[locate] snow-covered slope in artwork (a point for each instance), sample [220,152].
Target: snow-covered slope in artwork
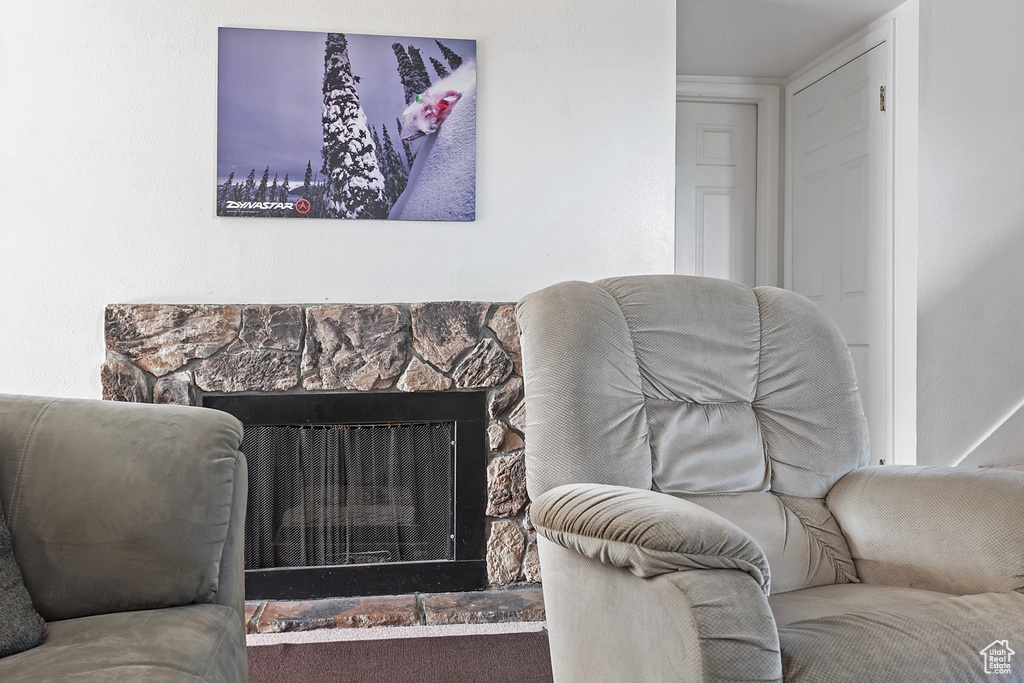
[442,182]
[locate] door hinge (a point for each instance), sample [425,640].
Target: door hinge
[881,98]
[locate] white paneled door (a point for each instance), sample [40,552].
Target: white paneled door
[839,227]
[716,196]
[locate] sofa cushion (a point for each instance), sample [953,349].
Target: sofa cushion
[857,632]
[21,627]
[117,506]
[801,540]
[194,642]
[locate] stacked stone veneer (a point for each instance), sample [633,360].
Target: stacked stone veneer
[174,353]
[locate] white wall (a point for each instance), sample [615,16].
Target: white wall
[971,235]
[108,152]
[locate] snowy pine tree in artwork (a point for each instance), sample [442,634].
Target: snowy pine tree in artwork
[419,70]
[439,68]
[376,140]
[385,169]
[405,72]
[250,186]
[283,193]
[355,184]
[454,61]
[225,194]
[272,195]
[410,157]
[391,154]
[397,177]
[261,189]
[308,181]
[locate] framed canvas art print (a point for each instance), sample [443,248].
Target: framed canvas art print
[337,125]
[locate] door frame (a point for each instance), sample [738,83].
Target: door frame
[881,36]
[767,99]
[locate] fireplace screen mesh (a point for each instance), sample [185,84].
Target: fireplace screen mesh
[338,495]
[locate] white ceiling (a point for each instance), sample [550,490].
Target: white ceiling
[765,38]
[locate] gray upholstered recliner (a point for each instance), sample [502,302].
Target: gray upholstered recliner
[697,461]
[127,523]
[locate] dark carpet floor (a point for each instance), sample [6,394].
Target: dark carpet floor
[495,658]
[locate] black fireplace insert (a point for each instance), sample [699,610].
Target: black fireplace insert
[362,493]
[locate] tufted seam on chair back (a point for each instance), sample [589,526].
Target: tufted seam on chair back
[643,410]
[826,537]
[586,420]
[703,389]
[711,446]
[695,342]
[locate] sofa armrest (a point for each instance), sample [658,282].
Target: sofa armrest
[117,507]
[646,532]
[947,529]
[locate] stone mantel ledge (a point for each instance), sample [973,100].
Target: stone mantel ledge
[175,353]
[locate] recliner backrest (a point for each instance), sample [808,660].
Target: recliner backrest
[742,400]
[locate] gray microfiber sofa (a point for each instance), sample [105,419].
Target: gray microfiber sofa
[698,468]
[127,523]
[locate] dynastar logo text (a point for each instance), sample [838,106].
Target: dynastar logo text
[260,205]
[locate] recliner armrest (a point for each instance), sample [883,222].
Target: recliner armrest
[647,532]
[948,529]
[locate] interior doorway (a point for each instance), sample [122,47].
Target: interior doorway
[840,232]
[716,193]
[727,180]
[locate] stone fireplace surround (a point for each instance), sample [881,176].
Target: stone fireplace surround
[166,353]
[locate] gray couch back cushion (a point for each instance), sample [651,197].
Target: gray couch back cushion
[161,545]
[742,400]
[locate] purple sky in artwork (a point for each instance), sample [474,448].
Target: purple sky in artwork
[270,95]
